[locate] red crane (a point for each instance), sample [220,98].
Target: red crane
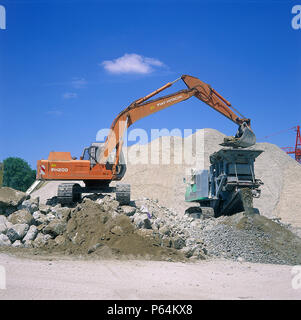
[297,149]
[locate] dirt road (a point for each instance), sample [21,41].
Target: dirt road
[79,279]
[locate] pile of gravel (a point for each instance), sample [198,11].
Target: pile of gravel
[252,238]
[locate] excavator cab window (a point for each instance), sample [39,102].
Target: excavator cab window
[90,154]
[85,155]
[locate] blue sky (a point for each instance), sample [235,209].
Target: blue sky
[61,80]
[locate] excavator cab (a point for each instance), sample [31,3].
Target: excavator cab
[93,154]
[90,154]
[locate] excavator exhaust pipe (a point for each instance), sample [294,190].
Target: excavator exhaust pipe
[244,138]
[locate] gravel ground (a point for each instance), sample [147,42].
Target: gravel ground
[77,279]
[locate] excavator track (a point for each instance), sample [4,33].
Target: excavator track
[68,193]
[123,193]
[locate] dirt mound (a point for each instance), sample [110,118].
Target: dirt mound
[96,230]
[98,227]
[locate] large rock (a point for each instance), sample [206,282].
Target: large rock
[44,208]
[145,233]
[128,210]
[55,228]
[157,224]
[9,224]
[3,224]
[3,227]
[28,244]
[117,230]
[4,240]
[21,216]
[31,234]
[94,248]
[40,241]
[3,219]
[41,218]
[188,251]
[165,230]
[31,205]
[10,198]
[17,232]
[18,244]
[62,213]
[38,215]
[50,217]
[60,240]
[109,204]
[178,243]
[142,221]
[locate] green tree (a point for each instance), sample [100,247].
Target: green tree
[17,174]
[1,173]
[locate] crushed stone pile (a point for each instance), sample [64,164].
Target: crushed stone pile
[100,226]
[252,238]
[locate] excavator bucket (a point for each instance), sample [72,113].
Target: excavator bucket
[244,138]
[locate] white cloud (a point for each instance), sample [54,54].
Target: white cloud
[132,63]
[70,95]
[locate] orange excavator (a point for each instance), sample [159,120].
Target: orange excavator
[102,163]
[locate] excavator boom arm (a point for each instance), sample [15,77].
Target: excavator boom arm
[136,112]
[140,109]
[207,94]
